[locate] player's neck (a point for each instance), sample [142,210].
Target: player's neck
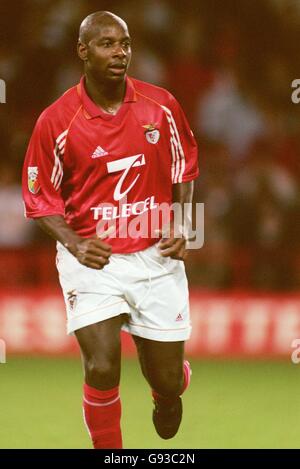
[105,94]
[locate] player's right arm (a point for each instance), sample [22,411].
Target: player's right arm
[91,252]
[42,178]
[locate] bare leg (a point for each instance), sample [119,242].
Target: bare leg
[162,365]
[101,356]
[101,352]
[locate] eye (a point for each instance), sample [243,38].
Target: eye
[106,44]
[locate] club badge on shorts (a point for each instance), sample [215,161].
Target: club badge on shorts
[72,299]
[33,182]
[152,134]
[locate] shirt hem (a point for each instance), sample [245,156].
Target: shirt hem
[44,214]
[188,178]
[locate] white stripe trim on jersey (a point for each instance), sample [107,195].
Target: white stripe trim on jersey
[57,169]
[58,179]
[61,144]
[180,148]
[176,166]
[178,163]
[59,149]
[61,136]
[104,403]
[59,174]
[173,159]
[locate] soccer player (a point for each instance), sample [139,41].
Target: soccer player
[111,150]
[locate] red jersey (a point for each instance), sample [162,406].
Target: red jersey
[83,163]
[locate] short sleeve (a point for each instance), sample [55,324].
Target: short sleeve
[184,148]
[42,173]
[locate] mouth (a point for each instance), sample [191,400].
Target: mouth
[118,68]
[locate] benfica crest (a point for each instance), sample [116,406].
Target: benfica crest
[33,183]
[72,299]
[152,134]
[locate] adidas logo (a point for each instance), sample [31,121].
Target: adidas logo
[99,152]
[179,317]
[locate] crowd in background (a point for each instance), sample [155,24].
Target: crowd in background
[230,64]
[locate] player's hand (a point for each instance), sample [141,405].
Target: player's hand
[93,253]
[172,245]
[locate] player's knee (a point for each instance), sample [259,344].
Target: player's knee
[102,372]
[168,382]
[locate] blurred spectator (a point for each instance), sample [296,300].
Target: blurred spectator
[265,199]
[225,116]
[148,66]
[189,76]
[15,231]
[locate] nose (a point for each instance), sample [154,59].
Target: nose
[119,51]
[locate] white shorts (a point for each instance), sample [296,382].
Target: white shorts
[151,289]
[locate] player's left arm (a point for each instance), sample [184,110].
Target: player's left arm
[175,245]
[184,171]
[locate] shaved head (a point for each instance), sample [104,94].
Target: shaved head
[91,25]
[104,45]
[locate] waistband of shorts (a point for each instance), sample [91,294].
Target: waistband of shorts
[61,247]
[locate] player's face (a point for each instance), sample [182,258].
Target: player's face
[108,53]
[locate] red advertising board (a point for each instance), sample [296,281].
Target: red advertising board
[224,325]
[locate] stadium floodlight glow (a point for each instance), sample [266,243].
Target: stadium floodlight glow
[2,92]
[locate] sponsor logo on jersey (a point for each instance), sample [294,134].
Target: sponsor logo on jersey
[152,133]
[125,165]
[99,152]
[179,318]
[33,182]
[110,212]
[124,210]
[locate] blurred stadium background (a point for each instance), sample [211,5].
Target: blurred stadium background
[231,64]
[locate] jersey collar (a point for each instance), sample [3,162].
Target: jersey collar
[91,108]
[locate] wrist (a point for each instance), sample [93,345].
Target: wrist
[72,244]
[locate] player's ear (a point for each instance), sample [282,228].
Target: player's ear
[82,50]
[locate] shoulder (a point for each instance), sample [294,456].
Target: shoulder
[152,92]
[60,113]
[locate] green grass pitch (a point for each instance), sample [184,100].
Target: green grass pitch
[230,404]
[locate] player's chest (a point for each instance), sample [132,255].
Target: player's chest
[94,143]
